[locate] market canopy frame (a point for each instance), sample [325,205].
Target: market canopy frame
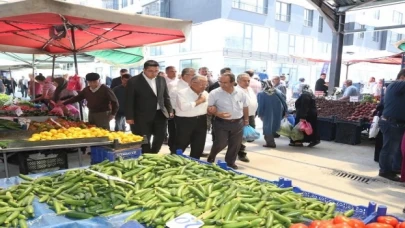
[63,28]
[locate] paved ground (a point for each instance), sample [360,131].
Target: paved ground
[312,168]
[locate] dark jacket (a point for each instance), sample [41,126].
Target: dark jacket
[141,101]
[305,106]
[320,86]
[116,82]
[120,93]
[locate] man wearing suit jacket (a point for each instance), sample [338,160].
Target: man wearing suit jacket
[117,81]
[148,106]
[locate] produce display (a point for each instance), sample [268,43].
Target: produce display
[168,186]
[4,99]
[16,205]
[345,222]
[77,133]
[9,125]
[159,188]
[345,110]
[50,124]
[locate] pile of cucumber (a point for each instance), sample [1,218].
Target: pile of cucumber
[162,187]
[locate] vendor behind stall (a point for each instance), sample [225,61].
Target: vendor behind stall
[99,99]
[47,88]
[34,88]
[62,93]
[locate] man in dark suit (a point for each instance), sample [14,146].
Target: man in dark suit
[117,81]
[148,106]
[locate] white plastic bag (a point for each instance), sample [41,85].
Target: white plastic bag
[285,128]
[374,128]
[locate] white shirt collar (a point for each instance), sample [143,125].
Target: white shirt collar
[95,90]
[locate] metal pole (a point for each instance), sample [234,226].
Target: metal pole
[347,70]
[33,75]
[53,66]
[72,30]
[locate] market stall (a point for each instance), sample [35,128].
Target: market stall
[159,190]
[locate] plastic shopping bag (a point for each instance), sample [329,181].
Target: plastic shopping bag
[285,128]
[72,110]
[291,119]
[57,111]
[74,83]
[306,127]
[374,128]
[250,134]
[296,133]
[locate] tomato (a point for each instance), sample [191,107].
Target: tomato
[388,220]
[299,225]
[378,225]
[401,225]
[355,223]
[342,225]
[341,219]
[316,224]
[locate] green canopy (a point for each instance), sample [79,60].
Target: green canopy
[126,56]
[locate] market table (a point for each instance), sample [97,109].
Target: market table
[10,151]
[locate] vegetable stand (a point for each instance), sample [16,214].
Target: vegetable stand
[164,187]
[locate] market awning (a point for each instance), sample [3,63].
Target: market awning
[127,56]
[395,59]
[60,27]
[26,59]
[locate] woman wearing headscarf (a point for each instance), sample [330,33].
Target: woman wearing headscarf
[62,93]
[47,88]
[306,111]
[272,108]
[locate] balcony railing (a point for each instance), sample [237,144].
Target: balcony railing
[249,7]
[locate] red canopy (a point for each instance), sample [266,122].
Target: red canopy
[61,28]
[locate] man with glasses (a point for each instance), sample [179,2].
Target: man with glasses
[182,83]
[229,105]
[191,116]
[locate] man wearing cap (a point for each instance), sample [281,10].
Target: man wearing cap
[99,100]
[117,81]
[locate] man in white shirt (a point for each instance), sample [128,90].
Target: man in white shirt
[255,83]
[174,87]
[243,84]
[171,81]
[191,117]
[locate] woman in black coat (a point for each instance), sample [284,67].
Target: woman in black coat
[306,111]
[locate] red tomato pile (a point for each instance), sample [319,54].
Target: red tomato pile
[345,222]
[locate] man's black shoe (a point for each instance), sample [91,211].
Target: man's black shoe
[205,155]
[233,166]
[390,176]
[244,159]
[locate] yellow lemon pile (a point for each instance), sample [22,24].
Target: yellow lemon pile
[77,133]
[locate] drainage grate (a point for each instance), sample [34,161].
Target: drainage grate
[352,176]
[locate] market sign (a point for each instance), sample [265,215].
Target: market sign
[185,221]
[354,99]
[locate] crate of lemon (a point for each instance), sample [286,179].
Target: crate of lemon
[76,133]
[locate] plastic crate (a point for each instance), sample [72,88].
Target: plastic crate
[361,212]
[348,132]
[381,211]
[99,154]
[28,165]
[327,128]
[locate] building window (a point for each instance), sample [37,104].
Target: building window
[291,46]
[111,4]
[257,6]
[395,37]
[238,36]
[283,11]
[376,36]
[399,37]
[155,51]
[162,66]
[152,9]
[185,46]
[320,24]
[193,63]
[124,3]
[397,17]
[377,14]
[361,34]
[308,17]
[240,65]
